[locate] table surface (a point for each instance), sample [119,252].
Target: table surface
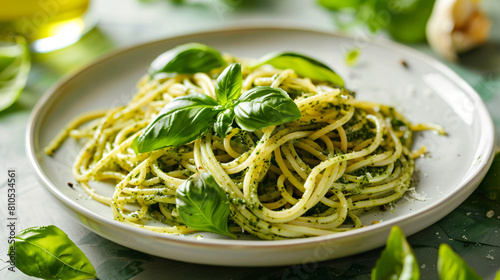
[467,229]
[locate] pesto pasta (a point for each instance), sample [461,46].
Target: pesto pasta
[312,175]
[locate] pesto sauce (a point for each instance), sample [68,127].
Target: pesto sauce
[373,171]
[360,134]
[317,209]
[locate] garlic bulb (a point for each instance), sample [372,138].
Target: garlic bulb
[456,26]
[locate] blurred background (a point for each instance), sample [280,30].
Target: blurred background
[42,41]
[63,36]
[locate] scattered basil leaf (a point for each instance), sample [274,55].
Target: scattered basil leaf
[46,252]
[397,261]
[490,185]
[261,107]
[351,57]
[224,122]
[203,205]
[452,266]
[497,277]
[228,85]
[302,65]
[189,58]
[181,121]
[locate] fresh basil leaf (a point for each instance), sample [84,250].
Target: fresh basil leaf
[302,65]
[203,205]
[497,277]
[397,261]
[490,185]
[228,85]
[261,107]
[181,121]
[187,59]
[47,252]
[224,122]
[452,266]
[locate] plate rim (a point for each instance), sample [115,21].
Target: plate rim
[53,93]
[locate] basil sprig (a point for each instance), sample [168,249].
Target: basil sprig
[203,205]
[186,118]
[187,59]
[302,65]
[46,252]
[397,261]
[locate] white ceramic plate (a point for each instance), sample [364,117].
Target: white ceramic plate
[426,91]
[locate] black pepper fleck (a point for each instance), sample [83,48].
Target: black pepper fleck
[404,63]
